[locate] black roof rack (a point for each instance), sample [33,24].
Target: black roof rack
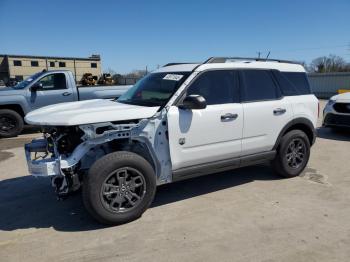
[185,63]
[224,60]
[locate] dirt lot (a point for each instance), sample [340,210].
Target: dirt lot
[243,215]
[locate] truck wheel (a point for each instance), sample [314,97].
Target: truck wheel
[11,123]
[293,154]
[119,187]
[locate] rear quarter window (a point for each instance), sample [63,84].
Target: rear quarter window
[299,81]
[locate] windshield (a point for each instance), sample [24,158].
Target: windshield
[27,81]
[154,89]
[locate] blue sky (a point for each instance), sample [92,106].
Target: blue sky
[132,34]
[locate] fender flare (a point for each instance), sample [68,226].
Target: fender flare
[306,123]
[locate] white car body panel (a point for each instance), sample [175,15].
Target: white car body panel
[87,112]
[207,137]
[305,106]
[342,98]
[257,65]
[262,126]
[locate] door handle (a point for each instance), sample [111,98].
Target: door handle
[66,94]
[279,111]
[228,116]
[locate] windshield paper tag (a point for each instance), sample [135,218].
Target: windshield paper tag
[173,77]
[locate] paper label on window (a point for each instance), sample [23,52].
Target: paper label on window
[172,77]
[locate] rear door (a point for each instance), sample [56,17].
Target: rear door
[54,90]
[265,109]
[214,133]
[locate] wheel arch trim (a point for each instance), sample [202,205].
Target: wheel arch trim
[301,123]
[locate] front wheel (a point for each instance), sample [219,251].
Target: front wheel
[119,188]
[293,154]
[11,123]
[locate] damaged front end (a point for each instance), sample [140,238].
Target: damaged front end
[65,153]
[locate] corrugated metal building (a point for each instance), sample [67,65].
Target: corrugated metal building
[325,85]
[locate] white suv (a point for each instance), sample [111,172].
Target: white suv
[181,121]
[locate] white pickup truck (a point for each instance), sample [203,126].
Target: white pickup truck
[181,121]
[42,89]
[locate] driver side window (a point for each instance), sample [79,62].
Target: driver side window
[217,87]
[53,82]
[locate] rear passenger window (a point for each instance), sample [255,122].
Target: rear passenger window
[287,88]
[299,80]
[217,87]
[259,85]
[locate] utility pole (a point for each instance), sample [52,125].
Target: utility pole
[259,54]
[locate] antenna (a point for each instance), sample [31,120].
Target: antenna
[267,57]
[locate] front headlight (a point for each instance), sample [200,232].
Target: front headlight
[330,102]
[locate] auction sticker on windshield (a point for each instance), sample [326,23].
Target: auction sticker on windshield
[173,77]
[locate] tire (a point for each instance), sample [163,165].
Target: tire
[127,172]
[11,123]
[284,163]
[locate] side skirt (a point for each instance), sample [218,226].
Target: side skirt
[222,165]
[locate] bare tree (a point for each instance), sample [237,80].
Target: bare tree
[326,64]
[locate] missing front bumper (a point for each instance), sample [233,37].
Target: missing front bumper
[41,166]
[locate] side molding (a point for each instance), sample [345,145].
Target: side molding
[222,165]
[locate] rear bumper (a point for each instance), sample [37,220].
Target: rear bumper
[43,167]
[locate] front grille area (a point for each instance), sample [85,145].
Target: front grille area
[337,120]
[342,107]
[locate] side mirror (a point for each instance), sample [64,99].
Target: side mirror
[37,86]
[193,102]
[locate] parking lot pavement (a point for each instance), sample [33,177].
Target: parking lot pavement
[248,214]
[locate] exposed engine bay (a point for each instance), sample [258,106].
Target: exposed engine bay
[67,153]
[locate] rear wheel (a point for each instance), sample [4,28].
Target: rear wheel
[119,188]
[293,154]
[11,123]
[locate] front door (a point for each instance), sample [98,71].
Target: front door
[214,133]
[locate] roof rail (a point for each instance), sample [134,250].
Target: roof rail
[225,59]
[185,63]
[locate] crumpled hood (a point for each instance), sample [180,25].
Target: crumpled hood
[342,98]
[87,112]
